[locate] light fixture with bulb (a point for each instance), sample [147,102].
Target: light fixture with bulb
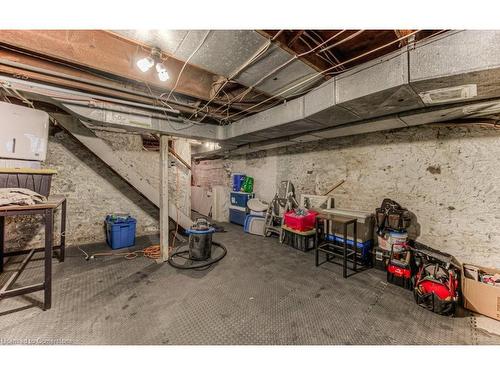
[147,63]
[160,67]
[162,72]
[163,75]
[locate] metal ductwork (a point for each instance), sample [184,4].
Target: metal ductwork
[429,82]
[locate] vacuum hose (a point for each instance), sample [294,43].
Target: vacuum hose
[179,253]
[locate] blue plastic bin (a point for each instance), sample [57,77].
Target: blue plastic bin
[120,232]
[240,199]
[238,181]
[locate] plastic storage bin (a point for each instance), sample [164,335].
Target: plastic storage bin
[237,215]
[247,186]
[301,241]
[120,232]
[240,199]
[238,179]
[38,180]
[300,223]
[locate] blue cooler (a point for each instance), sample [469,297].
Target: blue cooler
[363,247]
[240,199]
[120,231]
[237,215]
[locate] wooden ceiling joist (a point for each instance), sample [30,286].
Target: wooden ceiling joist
[402,33]
[111,57]
[103,51]
[286,41]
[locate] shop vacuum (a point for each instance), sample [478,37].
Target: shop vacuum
[197,253]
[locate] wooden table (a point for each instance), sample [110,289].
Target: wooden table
[46,210]
[329,248]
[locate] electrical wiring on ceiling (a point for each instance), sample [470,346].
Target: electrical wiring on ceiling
[4,96]
[338,65]
[277,35]
[202,42]
[321,73]
[352,36]
[286,63]
[328,53]
[13,92]
[295,57]
[420,42]
[151,95]
[256,56]
[178,46]
[325,57]
[259,55]
[165,101]
[225,107]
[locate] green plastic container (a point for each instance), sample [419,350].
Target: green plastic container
[247,186]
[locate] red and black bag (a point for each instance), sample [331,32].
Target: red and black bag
[436,288]
[401,268]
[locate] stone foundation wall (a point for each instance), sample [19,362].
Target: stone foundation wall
[446,174]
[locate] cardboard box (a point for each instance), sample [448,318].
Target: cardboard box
[480,297]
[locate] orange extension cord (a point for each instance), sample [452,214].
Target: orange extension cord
[151,252]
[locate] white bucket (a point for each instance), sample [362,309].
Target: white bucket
[395,241]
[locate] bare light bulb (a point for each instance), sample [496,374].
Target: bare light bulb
[163,75]
[145,63]
[160,67]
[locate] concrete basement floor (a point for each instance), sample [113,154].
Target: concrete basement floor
[261,293]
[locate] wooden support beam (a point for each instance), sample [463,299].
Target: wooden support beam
[295,38]
[402,33]
[109,53]
[178,157]
[164,217]
[29,67]
[283,40]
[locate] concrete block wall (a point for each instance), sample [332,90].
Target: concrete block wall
[94,190]
[446,174]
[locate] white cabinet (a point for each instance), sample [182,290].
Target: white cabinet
[24,132]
